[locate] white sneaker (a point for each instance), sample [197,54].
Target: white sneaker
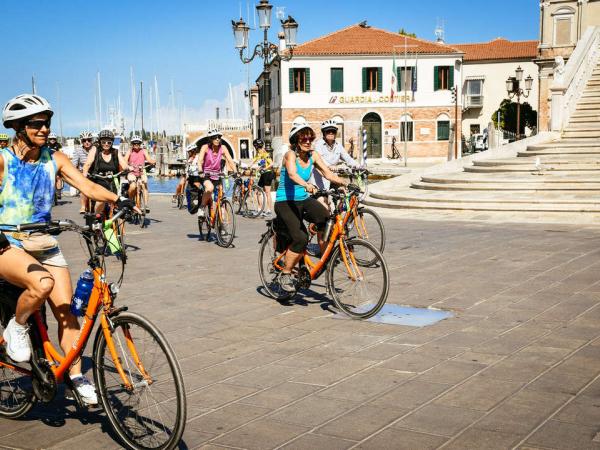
[18,346]
[86,390]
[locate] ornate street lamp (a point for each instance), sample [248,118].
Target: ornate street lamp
[513,88]
[268,51]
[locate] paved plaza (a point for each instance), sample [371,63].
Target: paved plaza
[518,365]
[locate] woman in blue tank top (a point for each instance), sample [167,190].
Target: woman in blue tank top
[27,182]
[292,201]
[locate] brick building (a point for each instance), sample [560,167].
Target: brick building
[348,76]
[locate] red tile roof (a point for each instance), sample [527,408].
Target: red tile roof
[366,40]
[498,49]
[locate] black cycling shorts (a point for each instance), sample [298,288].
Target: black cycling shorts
[266,178]
[292,213]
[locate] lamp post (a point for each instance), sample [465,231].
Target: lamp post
[513,87]
[268,51]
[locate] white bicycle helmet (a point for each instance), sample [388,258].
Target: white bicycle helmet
[136,138]
[191,148]
[293,138]
[86,135]
[52,136]
[329,125]
[213,132]
[22,106]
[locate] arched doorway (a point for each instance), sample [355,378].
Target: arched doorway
[204,140]
[372,124]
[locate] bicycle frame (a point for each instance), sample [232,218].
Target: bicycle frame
[100,304]
[217,206]
[337,235]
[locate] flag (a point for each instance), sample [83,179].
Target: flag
[393,92]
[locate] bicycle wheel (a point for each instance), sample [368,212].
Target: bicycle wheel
[225,224]
[204,228]
[180,201]
[236,198]
[16,392]
[367,225]
[254,202]
[146,408]
[269,274]
[142,203]
[358,289]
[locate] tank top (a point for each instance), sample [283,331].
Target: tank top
[212,163]
[102,167]
[27,190]
[290,191]
[137,160]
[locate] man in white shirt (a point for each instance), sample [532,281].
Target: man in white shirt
[331,151]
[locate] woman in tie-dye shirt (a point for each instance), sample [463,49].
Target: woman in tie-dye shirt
[27,175]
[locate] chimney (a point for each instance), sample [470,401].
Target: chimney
[281,38]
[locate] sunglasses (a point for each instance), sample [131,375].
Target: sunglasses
[105,141]
[216,137]
[306,139]
[86,140]
[136,143]
[38,124]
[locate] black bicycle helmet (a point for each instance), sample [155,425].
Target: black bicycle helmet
[258,143]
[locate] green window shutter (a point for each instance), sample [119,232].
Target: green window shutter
[443,130]
[450,77]
[380,79]
[291,80]
[398,79]
[436,78]
[307,79]
[364,79]
[337,79]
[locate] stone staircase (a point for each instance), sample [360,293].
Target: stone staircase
[562,175]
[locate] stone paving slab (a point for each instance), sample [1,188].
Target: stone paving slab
[518,366]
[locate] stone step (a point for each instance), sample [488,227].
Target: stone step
[570,152]
[566,144]
[531,162]
[589,189]
[546,168]
[588,134]
[590,126]
[591,120]
[587,106]
[482,206]
[498,178]
[585,113]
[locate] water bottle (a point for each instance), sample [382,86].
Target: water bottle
[216,194]
[82,294]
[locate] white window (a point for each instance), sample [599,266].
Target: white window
[474,93]
[406,129]
[563,27]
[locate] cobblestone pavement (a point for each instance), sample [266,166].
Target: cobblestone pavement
[518,366]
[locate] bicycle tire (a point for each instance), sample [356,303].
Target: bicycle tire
[360,230]
[269,275]
[236,198]
[203,223]
[16,391]
[225,237]
[142,209]
[364,310]
[180,201]
[116,400]
[253,206]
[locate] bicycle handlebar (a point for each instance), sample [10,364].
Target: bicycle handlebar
[62,225]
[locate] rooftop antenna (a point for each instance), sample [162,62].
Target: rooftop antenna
[439,31]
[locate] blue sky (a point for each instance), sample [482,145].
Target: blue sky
[65,42]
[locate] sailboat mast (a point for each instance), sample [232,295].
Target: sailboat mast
[142,105]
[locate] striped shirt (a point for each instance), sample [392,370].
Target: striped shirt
[79,157]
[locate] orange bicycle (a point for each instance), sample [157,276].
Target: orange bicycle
[137,376]
[357,274]
[219,216]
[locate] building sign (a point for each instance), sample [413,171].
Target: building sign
[342,99]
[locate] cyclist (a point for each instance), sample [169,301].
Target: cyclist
[136,157]
[292,202]
[264,161]
[55,146]
[3,140]
[80,157]
[27,173]
[211,161]
[191,171]
[331,151]
[104,161]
